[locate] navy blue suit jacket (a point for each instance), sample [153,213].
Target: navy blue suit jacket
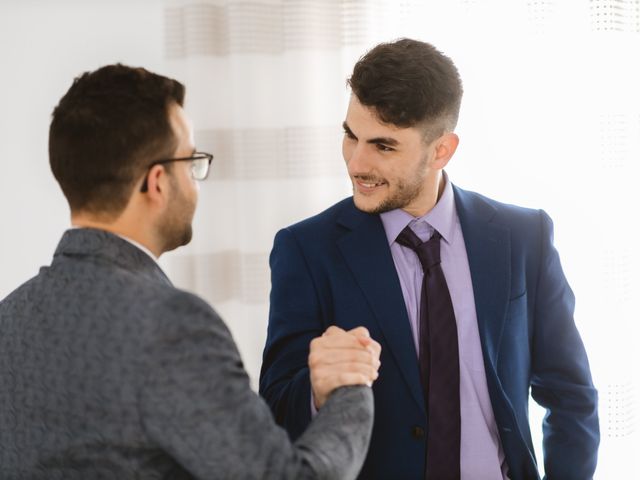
[336,269]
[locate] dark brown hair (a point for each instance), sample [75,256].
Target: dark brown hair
[409,83]
[106,130]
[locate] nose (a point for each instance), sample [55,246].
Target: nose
[355,157]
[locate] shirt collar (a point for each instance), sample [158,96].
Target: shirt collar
[442,217]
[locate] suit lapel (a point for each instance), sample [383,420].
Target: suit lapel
[366,252]
[489,253]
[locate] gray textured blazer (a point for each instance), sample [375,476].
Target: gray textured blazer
[109,372]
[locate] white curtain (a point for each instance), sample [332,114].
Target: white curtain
[550,119]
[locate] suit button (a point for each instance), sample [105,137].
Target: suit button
[417,432]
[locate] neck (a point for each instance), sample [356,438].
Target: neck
[429,196]
[122,227]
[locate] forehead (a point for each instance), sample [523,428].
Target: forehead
[365,124]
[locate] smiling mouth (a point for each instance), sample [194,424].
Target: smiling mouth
[367,186]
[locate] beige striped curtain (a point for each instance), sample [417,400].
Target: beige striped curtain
[550,119]
[265,93]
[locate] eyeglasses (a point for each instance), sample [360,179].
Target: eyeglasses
[200,165]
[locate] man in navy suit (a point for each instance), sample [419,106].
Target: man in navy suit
[512,304]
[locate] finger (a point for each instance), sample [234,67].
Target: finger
[324,372]
[325,376]
[351,378]
[335,357]
[347,355]
[336,344]
[343,338]
[359,332]
[374,347]
[333,330]
[335,341]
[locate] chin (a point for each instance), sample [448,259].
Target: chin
[377,206]
[185,237]
[188,235]
[367,204]
[177,239]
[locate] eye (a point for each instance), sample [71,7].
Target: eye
[383,148]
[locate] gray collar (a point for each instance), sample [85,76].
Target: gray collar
[99,244]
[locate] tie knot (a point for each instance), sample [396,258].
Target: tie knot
[428,252]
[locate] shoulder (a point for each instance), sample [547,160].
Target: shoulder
[181,324]
[320,228]
[327,217]
[176,308]
[470,203]
[134,300]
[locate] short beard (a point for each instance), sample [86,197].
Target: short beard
[178,238]
[176,229]
[405,194]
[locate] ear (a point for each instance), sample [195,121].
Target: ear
[157,185]
[445,147]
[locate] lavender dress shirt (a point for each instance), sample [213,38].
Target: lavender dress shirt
[481,454]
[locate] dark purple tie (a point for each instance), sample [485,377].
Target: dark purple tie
[439,361]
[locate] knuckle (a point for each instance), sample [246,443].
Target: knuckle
[363,331]
[313,359]
[355,367]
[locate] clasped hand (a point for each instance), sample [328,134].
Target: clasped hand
[339,358]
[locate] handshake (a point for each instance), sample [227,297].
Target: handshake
[339,358]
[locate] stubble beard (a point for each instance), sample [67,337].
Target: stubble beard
[405,192]
[176,229]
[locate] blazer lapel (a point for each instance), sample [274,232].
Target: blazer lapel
[366,252]
[489,254]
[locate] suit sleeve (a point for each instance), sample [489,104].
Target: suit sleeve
[295,318]
[196,404]
[561,379]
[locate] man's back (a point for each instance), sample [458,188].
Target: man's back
[107,371]
[71,345]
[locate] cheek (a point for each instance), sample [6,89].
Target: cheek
[411,169]
[194,187]
[347,149]
[389,171]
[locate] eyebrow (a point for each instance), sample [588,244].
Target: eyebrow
[375,141]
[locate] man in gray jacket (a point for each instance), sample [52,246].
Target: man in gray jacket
[109,372]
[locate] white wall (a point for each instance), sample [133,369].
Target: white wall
[43,46]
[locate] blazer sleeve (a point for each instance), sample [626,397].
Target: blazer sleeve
[295,318]
[561,379]
[196,404]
